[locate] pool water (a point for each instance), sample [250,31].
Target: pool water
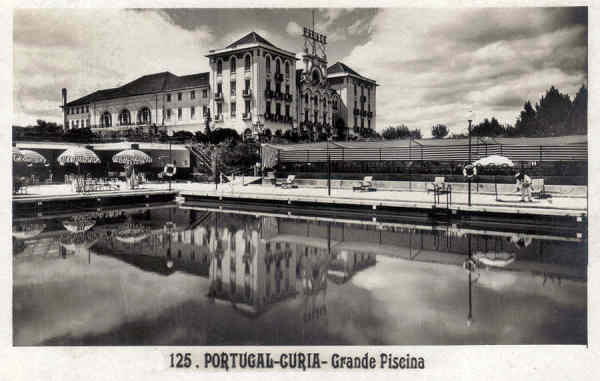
[168,275]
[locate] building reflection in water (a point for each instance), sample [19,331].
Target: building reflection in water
[254,262]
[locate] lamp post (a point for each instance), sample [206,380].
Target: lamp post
[469,179]
[170,135]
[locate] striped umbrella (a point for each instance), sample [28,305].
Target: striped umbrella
[78,155]
[131,157]
[16,154]
[29,156]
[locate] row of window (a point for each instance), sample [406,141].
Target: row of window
[233,108]
[316,101]
[233,87]
[248,63]
[192,95]
[362,122]
[315,116]
[75,123]
[168,112]
[78,110]
[362,91]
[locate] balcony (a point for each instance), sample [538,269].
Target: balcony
[370,114]
[278,95]
[247,116]
[363,113]
[218,96]
[219,118]
[287,97]
[278,77]
[356,111]
[268,116]
[356,129]
[247,93]
[363,99]
[268,94]
[287,119]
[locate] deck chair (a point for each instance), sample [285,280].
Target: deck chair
[440,187]
[366,185]
[289,182]
[537,189]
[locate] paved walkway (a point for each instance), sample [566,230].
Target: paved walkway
[479,202]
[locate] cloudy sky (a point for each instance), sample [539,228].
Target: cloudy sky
[433,65]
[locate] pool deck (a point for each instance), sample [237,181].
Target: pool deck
[485,203]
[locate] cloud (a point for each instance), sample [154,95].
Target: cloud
[293,29]
[85,50]
[433,66]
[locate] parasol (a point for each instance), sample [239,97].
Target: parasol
[28,231]
[29,156]
[16,154]
[132,157]
[494,161]
[80,225]
[78,155]
[502,259]
[77,241]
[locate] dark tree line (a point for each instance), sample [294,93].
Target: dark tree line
[400,132]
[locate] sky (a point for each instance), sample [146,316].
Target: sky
[432,65]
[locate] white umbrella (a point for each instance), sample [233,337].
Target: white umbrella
[80,225]
[78,155]
[132,157]
[28,231]
[16,154]
[494,161]
[502,259]
[29,156]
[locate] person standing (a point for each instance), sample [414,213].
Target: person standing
[524,185]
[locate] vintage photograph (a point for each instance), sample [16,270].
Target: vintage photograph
[305,176]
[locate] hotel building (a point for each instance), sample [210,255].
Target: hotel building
[252,87]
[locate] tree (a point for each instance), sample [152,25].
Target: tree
[552,112]
[577,119]
[488,128]
[400,132]
[439,131]
[526,123]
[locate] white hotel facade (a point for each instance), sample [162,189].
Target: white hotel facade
[252,87]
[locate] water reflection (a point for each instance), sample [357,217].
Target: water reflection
[301,280]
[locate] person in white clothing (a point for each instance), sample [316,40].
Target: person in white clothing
[524,185]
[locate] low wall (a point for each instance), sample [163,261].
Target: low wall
[485,188]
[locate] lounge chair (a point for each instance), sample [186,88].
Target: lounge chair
[366,185]
[440,187]
[537,189]
[289,182]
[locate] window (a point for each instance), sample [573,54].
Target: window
[362,122]
[268,64]
[87,122]
[72,124]
[355,122]
[68,110]
[87,108]
[144,116]
[179,113]
[369,123]
[124,118]
[106,119]
[268,84]
[277,67]
[219,67]
[168,114]
[204,93]
[192,94]
[306,98]
[233,65]
[316,115]
[219,88]
[205,110]
[306,115]
[247,63]
[219,108]
[287,110]
[192,112]
[168,97]
[268,107]
[325,117]
[247,84]
[179,96]
[233,109]
[232,86]
[278,108]
[287,89]
[316,100]
[287,68]
[247,106]
[355,89]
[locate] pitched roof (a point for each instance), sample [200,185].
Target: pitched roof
[146,84]
[250,38]
[340,67]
